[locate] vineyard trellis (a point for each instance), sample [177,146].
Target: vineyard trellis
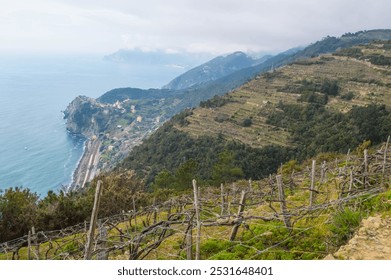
[136,233]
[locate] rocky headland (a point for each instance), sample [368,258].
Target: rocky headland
[111,130]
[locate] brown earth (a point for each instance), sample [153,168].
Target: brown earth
[371,242]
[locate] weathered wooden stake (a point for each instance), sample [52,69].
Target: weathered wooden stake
[94,215]
[134,213]
[250,185]
[239,217]
[281,197]
[234,192]
[347,159]
[169,210]
[29,245]
[189,241]
[222,199]
[350,181]
[197,210]
[365,168]
[102,255]
[323,172]
[154,210]
[35,241]
[312,188]
[385,159]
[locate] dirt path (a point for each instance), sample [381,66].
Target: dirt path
[371,242]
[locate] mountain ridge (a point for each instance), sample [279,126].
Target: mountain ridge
[214,69]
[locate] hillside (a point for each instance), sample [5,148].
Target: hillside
[214,69]
[122,118]
[356,81]
[305,211]
[328,103]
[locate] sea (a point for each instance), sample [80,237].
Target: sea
[36,152]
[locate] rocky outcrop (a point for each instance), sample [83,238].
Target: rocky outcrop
[371,242]
[111,129]
[87,117]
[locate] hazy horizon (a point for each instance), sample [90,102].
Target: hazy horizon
[214,27]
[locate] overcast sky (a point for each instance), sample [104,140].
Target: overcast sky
[213,26]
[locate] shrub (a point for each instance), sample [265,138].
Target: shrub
[247,122]
[343,226]
[347,96]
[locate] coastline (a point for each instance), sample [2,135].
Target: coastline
[87,166]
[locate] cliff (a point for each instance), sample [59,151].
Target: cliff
[86,117]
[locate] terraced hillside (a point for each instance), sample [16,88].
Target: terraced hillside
[357,82]
[328,103]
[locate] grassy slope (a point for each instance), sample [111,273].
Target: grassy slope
[315,234]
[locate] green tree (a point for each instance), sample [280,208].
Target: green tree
[18,212]
[225,170]
[185,173]
[163,180]
[373,122]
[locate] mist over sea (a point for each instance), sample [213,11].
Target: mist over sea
[35,149]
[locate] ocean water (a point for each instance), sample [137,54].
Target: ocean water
[35,149]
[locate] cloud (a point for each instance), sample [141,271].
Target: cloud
[215,26]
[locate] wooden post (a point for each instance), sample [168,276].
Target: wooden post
[239,217]
[347,159]
[365,168]
[222,199]
[169,210]
[29,245]
[197,210]
[385,159]
[94,215]
[134,214]
[35,241]
[281,197]
[312,188]
[323,172]
[154,210]
[102,255]
[350,181]
[250,185]
[234,192]
[189,241]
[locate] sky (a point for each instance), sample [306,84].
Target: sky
[195,26]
